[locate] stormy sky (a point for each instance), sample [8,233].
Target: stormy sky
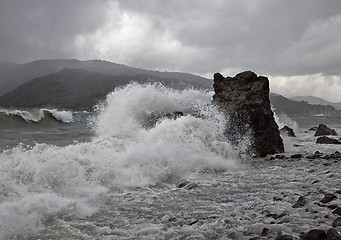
[296,43]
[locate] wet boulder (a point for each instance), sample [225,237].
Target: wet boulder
[284,237]
[328,198]
[312,129]
[315,234]
[323,130]
[337,222]
[337,211]
[327,140]
[301,202]
[245,99]
[296,156]
[288,131]
[332,234]
[316,155]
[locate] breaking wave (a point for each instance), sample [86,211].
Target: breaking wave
[44,181]
[36,115]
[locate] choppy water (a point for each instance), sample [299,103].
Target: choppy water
[104,175]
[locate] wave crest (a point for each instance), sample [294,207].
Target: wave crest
[38,115]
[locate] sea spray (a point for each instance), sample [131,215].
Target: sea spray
[173,148]
[283,120]
[128,108]
[46,181]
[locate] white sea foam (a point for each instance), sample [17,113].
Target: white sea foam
[127,109]
[36,115]
[63,116]
[283,120]
[44,181]
[28,116]
[121,184]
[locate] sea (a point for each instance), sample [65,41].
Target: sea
[116,173]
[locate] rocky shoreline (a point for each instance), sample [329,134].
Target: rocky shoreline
[326,206]
[284,198]
[330,202]
[312,198]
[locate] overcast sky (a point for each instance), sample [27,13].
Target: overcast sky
[296,43]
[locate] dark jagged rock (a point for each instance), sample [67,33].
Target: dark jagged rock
[187,185]
[316,155]
[288,131]
[312,129]
[278,156]
[183,183]
[332,206]
[328,198]
[332,234]
[301,202]
[284,237]
[296,156]
[335,156]
[245,98]
[337,222]
[337,211]
[322,130]
[327,140]
[315,234]
[265,231]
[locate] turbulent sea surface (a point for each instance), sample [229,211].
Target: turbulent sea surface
[110,175]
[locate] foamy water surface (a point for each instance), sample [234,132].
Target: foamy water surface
[122,183]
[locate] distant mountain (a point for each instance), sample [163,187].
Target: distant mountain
[76,89]
[316,100]
[79,85]
[14,75]
[21,73]
[301,108]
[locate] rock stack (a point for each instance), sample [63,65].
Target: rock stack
[245,98]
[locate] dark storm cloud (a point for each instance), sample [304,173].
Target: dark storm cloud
[274,37]
[291,39]
[34,29]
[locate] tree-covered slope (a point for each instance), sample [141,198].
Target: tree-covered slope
[75,89]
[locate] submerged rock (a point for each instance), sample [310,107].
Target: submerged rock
[183,183]
[332,234]
[301,202]
[284,237]
[187,185]
[316,155]
[327,140]
[265,231]
[312,129]
[328,198]
[315,234]
[245,98]
[337,222]
[278,156]
[337,211]
[322,130]
[296,156]
[173,115]
[288,131]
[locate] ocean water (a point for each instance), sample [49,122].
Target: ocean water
[111,175]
